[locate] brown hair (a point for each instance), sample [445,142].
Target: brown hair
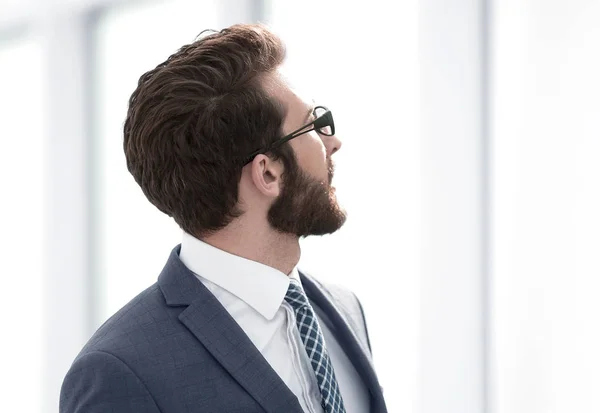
[194,118]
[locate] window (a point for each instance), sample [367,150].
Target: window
[546,233]
[21,220]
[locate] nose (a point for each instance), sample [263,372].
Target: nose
[333,145]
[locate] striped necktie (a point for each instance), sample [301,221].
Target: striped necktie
[312,337]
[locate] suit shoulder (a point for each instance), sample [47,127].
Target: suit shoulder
[99,382]
[340,294]
[135,320]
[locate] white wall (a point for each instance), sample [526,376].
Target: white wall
[453,345]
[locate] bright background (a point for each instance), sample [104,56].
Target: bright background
[469,170]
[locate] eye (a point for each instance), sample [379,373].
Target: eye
[325,130]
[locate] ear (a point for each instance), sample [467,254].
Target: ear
[267,175]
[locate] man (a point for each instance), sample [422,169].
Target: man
[218,140]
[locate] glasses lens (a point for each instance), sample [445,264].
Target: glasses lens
[325,130]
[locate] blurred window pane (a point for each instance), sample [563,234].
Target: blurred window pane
[361,61]
[546,206]
[135,238]
[21,221]
[10,6]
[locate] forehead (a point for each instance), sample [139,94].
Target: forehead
[285,87]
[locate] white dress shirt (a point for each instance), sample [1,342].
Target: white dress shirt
[253,293]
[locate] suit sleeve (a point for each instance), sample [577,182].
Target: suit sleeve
[99,382]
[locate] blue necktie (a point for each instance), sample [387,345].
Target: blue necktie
[312,337]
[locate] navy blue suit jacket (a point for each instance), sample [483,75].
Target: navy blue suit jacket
[174,348]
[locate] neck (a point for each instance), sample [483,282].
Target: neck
[269,247]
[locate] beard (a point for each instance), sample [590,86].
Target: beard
[306,206]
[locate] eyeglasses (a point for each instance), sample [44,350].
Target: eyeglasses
[323,124]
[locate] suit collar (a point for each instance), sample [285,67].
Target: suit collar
[177,283]
[261,287]
[214,327]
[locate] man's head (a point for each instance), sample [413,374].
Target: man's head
[195,118]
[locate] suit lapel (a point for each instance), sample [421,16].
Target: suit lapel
[214,327]
[353,347]
[226,341]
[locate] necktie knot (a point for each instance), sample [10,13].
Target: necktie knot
[295,296]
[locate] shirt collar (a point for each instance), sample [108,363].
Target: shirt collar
[258,285]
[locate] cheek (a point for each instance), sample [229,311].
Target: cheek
[317,155]
[319,169]
[312,156]
[317,147]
